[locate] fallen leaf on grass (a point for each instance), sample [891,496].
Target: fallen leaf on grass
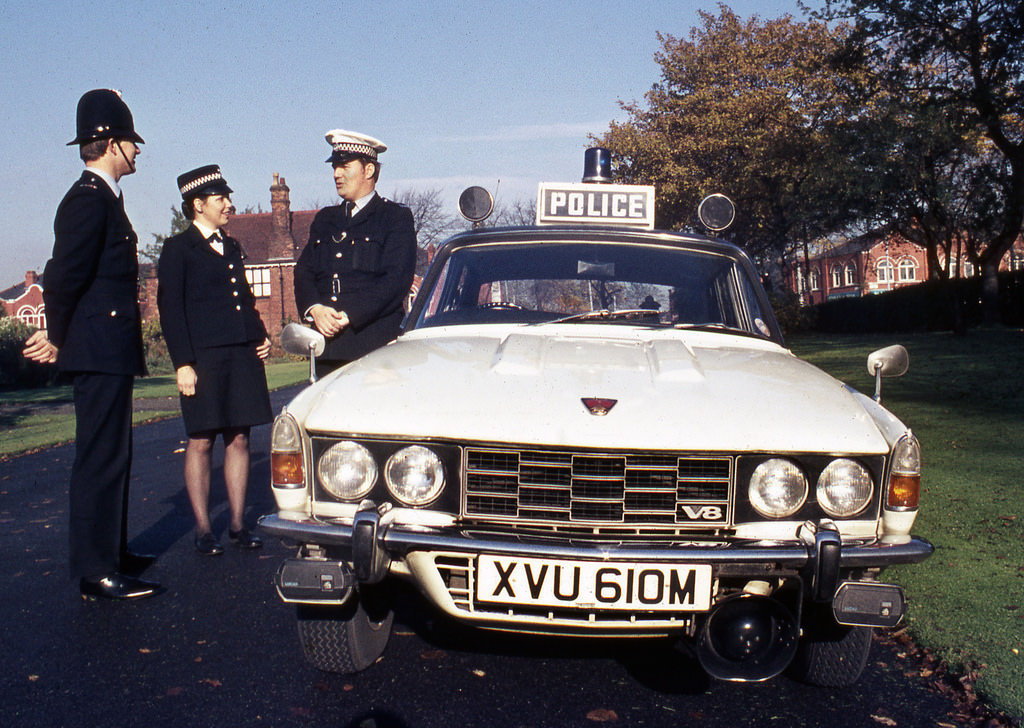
[212,681]
[883,720]
[33,678]
[603,715]
[479,673]
[433,655]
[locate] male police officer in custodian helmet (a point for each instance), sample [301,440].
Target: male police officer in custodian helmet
[90,288]
[352,277]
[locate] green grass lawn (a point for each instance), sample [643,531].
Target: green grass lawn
[964,399]
[33,418]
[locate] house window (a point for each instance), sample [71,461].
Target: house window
[815,280]
[851,274]
[259,281]
[885,272]
[837,276]
[908,270]
[34,317]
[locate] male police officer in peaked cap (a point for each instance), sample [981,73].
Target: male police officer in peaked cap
[90,288]
[352,277]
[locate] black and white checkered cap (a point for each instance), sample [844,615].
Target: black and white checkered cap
[346,145]
[206,180]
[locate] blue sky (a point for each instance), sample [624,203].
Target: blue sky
[462,93]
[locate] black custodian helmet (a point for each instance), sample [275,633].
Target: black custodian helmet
[102,114]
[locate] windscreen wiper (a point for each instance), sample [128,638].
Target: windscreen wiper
[604,314]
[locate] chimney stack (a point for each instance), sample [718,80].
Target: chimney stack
[282,244]
[31,278]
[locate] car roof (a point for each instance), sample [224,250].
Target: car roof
[589,233]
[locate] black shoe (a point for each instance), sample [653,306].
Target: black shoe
[244,540]
[207,545]
[133,564]
[117,586]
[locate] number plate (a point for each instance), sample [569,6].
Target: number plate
[594,584]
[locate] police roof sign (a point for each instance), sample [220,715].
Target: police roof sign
[601,204]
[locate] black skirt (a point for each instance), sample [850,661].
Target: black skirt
[231,390]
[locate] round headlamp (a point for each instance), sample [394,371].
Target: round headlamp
[414,475]
[844,488]
[347,470]
[777,488]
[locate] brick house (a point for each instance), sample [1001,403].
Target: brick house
[25,300]
[871,263]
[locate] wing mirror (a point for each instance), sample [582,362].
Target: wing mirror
[892,361]
[303,341]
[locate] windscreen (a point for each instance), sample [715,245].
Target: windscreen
[616,283]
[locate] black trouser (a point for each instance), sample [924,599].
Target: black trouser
[325,367]
[98,492]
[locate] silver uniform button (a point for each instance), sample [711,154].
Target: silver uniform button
[231,266]
[234,280]
[234,293]
[334,298]
[238,308]
[113,313]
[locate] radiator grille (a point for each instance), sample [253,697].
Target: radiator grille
[555,487]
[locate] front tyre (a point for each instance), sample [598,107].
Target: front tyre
[830,655]
[346,638]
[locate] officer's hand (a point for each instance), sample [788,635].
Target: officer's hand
[38,348]
[328,321]
[187,380]
[263,350]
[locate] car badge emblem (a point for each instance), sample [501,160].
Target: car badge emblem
[598,406]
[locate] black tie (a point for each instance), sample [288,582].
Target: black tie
[348,208]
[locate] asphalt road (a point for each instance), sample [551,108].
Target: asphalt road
[219,649]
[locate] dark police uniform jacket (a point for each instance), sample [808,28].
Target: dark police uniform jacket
[204,297]
[90,285]
[363,266]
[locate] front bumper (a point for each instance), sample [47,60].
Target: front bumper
[371,546]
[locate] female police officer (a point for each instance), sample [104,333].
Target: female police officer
[216,341]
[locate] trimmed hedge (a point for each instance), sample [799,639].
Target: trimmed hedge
[928,306]
[15,370]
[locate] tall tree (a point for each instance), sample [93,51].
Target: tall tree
[965,59]
[748,108]
[152,250]
[431,221]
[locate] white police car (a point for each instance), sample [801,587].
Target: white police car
[595,430]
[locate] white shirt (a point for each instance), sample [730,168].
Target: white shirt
[217,245]
[362,202]
[111,182]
